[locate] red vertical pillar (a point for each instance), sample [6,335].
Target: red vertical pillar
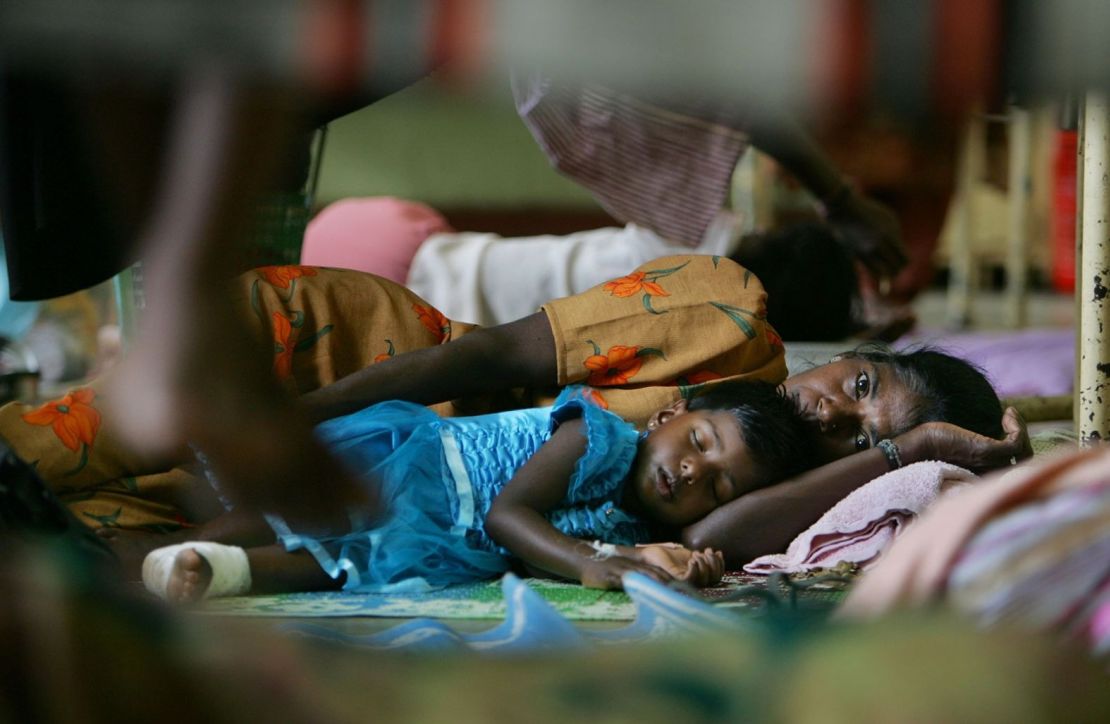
[1063,210]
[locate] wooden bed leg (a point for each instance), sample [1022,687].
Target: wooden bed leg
[1092,421]
[961,264]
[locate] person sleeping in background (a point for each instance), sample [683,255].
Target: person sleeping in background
[489,279]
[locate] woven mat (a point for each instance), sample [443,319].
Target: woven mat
[1048,441]
[484,601]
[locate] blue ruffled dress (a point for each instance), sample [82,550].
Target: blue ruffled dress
[439,477]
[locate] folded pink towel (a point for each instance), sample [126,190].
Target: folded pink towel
[864,524]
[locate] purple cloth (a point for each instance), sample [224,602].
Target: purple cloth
[1018,363]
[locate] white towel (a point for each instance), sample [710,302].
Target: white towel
[864,524]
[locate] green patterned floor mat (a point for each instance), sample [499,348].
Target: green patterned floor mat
[484,601]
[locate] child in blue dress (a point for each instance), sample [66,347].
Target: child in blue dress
[571,490]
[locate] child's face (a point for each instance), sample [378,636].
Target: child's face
[691,463]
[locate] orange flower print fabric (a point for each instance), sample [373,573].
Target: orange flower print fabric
[617,366]
[289,337]
[697,378]
[773,338]
[392,351]
[433,320]
[74,419]
[283,277]
[708,324]
[642,281]
[595,397]
[335,321]
[632,284]
[283,346]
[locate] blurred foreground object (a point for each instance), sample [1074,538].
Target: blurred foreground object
[915,60]
[1028,548]
[76,651]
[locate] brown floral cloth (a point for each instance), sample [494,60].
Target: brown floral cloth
[641,342]
[646,339]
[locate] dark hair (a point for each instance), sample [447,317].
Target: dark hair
[947,388]
[810,280]
[777,437]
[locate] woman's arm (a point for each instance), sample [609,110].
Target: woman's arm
[516,519]
[493,359]
[765,521]
[869,229]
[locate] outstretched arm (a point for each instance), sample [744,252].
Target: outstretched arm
[516,519]
[493,359]
[869,229]
[765,521]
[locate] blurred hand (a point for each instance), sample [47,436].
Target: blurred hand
[698,568]
[870,230]
[947,442]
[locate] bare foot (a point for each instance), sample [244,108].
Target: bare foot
[189,578]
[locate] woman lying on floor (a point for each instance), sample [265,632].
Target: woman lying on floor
[343,340]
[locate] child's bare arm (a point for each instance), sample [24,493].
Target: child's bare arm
[765,521]
[698,568]
[516,519]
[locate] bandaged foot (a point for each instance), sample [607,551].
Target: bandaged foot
[193,571]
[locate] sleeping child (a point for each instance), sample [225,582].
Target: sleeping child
[571,491]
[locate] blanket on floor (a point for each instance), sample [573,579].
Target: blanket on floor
[484,600]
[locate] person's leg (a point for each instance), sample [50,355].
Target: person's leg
[237,528]
[272,570]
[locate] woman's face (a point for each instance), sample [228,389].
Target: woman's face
[852,404]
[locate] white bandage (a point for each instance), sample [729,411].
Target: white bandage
[231,571]
[603,550]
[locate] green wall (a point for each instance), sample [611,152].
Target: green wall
[447,149]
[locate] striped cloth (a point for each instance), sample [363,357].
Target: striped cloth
[1045,564]
[665,170]
[1028,547]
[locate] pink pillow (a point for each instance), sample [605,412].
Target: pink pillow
[378,234]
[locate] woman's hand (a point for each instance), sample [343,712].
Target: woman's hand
[947,442]
[698,568]
[606,573]
[870,230]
